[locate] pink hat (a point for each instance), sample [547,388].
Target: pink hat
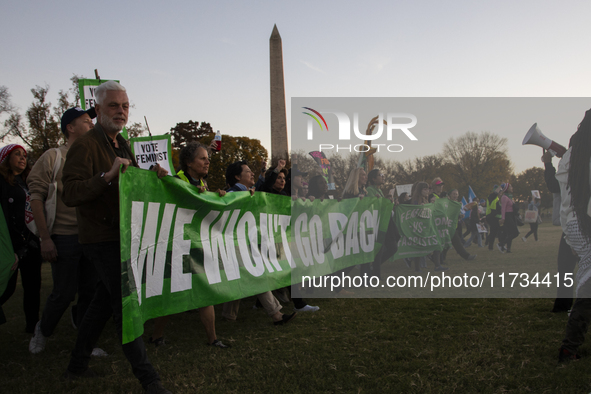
[5,152]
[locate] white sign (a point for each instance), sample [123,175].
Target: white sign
[151,150]
[536,194]
[404,188]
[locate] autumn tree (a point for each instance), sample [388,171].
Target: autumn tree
[43,130]
[185,132]
[532,179]
[420,169]
[136,129]
[477,160]
[6,106]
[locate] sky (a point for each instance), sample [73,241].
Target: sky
[209,61]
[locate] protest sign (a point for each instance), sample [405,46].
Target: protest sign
[536,194]
[425,228]
[151,150]
[324,164]
[182,250]
[404,189]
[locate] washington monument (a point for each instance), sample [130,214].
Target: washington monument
[279,149]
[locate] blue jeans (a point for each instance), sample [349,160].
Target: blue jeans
[71,273]
[106,259]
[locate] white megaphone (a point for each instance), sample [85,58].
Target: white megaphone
[535,137]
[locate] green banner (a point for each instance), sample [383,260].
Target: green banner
[426,228]
[6,254]
[182,250]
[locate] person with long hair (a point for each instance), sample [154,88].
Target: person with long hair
[355,186]
[420,196]
[15,200]
[575,190]
[318,187]
[404,198]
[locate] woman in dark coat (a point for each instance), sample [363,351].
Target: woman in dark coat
[15,201]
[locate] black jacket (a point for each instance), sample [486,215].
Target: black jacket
[13,199]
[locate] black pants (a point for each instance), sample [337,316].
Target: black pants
[388,249]
[106,259]
[458,244]
[30,269]
[493,222]
[533,229]
[72,273]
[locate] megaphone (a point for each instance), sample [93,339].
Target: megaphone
[535,137]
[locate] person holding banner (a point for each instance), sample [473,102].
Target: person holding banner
[90,178]
[240,178]
[420,196]
[355,186]
[318,187]
[71,272]
[16,206]
[194,161]
[375,179]
[437,187]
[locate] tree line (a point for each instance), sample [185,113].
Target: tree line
[478,160]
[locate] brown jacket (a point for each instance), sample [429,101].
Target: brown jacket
[97,202]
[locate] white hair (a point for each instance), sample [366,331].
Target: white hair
[101,92]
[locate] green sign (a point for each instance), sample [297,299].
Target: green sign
[181,249]
[151,150]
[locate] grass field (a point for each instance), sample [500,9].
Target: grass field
[351,345]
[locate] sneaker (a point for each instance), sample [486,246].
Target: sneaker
[508,250]
[307,308]
[501,248]
[98,352]
[285,319]
[38,341]
[524,239]
[156,388]
[565,356]
[441,269]
[471,257]
[218,343]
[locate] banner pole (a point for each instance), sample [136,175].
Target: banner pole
[148,127]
